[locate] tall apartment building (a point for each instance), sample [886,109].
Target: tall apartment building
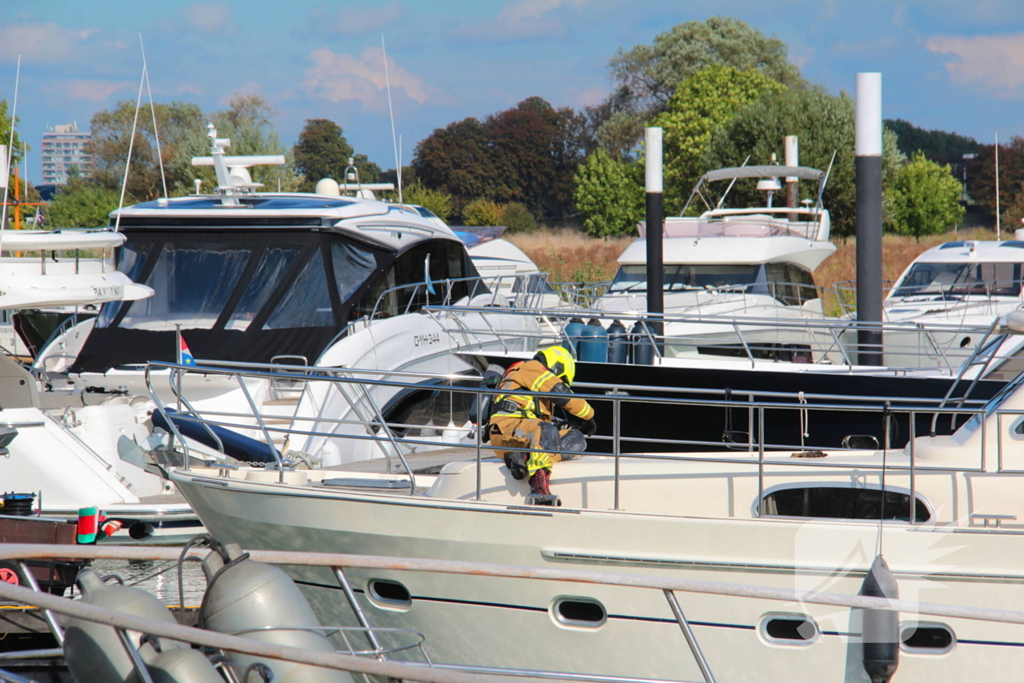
[63,147]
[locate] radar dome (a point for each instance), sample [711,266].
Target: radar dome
[329,187]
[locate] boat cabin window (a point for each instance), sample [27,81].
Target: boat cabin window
[192,286]
[683,277]
[790,284]
[275,263]
[434,272]
[430,410]
[839,502]
[986,279]
[307,302]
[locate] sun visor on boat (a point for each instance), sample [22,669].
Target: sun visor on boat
[134,292]
[801,172]
[45,240]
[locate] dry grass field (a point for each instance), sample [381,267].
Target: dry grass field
[571,256]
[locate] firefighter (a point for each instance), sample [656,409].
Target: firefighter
[525,421]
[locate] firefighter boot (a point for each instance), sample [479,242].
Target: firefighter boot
[516,464]
[540,493]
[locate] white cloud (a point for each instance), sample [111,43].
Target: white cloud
[994,62]
[213,18]
[40,43]
[521,20]
[341,77]
[181,89]
[587,97]
[90,89]
[355,21]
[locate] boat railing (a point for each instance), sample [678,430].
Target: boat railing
[752,407]
[906,346]
[972,294]
[745,223]
[588,294]
[526,290]
[523,288]
[380,661]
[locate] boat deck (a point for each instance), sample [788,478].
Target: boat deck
[430,462]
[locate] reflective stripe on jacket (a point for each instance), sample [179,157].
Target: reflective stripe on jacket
[533,376]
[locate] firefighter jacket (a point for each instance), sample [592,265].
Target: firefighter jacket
[533,376]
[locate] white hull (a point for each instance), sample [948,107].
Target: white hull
[480,621]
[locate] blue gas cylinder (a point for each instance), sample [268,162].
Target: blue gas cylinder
[618,343]
[643,343]
[593,346]
[573,334]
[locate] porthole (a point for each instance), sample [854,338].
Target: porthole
[926,638]
[579,612]
[789,629]
[389,593]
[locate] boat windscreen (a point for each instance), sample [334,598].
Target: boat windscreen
[682,277]
[959,279]
[243,295]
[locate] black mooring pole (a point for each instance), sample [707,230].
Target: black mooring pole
[655,228]
[869,217]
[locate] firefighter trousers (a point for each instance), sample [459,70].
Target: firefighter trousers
[543,438]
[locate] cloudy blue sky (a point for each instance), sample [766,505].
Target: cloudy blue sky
[946,64]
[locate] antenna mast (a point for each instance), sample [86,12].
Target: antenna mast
[391,112]
[131,146]
[152,110]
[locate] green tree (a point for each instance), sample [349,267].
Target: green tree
[926,197]
[179,125]
[609,196]
[81,204]
[517,218]
[248,123]
[701,104]
[824,125]
[893,159]
[981,176]
[535,150]
[937,145]
[646,76]
[436,200]
[5,139]
[527,153]
[322,151]
[482,212]
[457,160]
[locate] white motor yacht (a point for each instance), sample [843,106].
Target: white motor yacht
[75,449]
[962,283]
[944,512]
[290,278]
[732,262]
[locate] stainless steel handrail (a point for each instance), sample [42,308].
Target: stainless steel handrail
[759,406]
[821,335]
